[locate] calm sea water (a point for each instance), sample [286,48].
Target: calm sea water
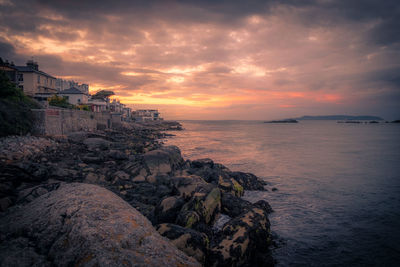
[338,198]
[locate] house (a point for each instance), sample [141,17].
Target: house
[34,82]
[116,106]
[147,115]
[62,85]
[98,104]
[74,96]
[126,113]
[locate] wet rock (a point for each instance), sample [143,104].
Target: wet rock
[230,185]
[81,224]
[262,204]
[234,206]
[201,163]
[205,206]
[193,243]
[244,240]
[248,181]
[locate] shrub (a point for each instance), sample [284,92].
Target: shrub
[16,117]
[59,101]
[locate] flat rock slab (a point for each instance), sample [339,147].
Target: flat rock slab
[83,225]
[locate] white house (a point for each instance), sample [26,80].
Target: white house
[147,115]
[74,96]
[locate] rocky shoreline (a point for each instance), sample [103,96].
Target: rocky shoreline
[75,200]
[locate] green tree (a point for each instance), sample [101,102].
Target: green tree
[16,117]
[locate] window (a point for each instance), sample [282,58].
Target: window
[38,78]
[21,87]
[20,77]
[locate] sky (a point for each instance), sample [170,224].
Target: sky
[220,59]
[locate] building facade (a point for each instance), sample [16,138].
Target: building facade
[33,81]
[62,85]
[74,96]
[147,115]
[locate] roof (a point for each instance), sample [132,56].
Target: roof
[72,91]
[29,69]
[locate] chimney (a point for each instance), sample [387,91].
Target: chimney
[32,64]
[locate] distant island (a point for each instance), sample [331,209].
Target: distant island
[283,121]
[339,117]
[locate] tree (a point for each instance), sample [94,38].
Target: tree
[16,117]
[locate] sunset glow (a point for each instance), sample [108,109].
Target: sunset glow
[248,61]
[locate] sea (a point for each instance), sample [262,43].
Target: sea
[337,201]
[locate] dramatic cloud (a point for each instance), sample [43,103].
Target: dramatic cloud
[218,59]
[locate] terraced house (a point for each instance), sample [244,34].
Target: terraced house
[35,82]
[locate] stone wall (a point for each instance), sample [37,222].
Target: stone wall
[58,121]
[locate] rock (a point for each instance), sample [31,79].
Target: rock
[193,243]
[244,240]
[230,185]
[92,159]
[120,176]
[248,181]
[220,222]
[205,206]
[262,204]
[29,194]
[201,163]
[117,155]
[77,137]
[91,178]
[94,142]
[83,225]
[186,186]
[5,202]
[168,209]
[163,160]
[187,218]
[148,193]
[234,206]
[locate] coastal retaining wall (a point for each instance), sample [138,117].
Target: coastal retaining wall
[58,121]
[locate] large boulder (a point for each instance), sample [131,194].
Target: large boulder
[164,160]
[83,225]
[202,208]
